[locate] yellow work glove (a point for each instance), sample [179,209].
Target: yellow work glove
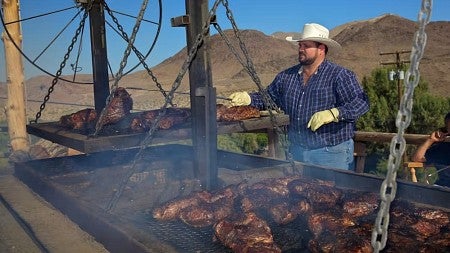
[240,98]
[323,117]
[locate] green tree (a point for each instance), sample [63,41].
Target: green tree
[427,114]
[250,143]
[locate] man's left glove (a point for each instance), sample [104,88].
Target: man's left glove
[323,117]
[240,98]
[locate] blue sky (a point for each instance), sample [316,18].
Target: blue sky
[263,15]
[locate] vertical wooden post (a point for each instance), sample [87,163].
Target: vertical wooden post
[203,97]
[15,108]
[99,55]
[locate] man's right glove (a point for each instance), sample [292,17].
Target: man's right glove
[323,117]
[240,98]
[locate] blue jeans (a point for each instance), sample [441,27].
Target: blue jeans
[339,156]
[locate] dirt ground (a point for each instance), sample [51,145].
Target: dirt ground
[30,224]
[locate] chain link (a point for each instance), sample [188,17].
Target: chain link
[137,52]
[389,186]
[123,63]
[176,84]
[249,67]
[63,63]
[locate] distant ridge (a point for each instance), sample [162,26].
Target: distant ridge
[362,42]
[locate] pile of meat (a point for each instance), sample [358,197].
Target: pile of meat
[118,118]
[85,120]
[236,113]
[244,217]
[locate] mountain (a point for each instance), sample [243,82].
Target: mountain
[362,42]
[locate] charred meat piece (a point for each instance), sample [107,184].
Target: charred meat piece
[441,240]
[331,221]
[172,116]
[199,209]
[437,216]
[120,105]
[398,241]
[171,210]
[302,186]
[358,204]
[209,208]
[429,221]
[278,186]
[83,119]
[322,196]
[236,113]
[136,125]
[197,215]
[283,212]
[245,233]
[426,228]
[351,240]
[220,109]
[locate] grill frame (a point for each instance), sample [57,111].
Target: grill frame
[126,233]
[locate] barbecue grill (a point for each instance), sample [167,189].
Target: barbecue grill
[81,186]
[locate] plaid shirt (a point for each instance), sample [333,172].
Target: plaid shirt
[332,86]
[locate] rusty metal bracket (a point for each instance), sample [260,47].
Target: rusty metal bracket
[184,20]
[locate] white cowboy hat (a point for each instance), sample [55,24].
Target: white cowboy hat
[318,33]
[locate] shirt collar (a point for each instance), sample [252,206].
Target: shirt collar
[300,70]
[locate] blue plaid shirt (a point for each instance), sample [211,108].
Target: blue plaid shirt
[332,86]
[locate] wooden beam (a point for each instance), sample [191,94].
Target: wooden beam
[15,109]
[415,139]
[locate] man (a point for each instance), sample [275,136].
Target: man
[323,101]
[437,152]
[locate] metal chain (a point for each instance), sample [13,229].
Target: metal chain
[176,84]
[249,67]
[63,63]
[123,63]
[398,143]
[137,52]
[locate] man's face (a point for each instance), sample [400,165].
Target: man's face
[308,51]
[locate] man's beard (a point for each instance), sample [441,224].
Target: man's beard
[306,60]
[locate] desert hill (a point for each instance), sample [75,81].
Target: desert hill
[362,42]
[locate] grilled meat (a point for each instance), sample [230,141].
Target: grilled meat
[245,233]
[120,105]
[236,113]
[197,215]
[282,212]
[356,204]
[323,196]
[301,206]
[331,221]
[199,209]
[335,220]
[220,109]
[204,213]
[437,216]
[351,240]
[426,228]
[81,120]
[173,116]
[171,210]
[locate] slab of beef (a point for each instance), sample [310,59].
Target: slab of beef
[236,113]
[120,105]
[220,109]
[172,116]
[245,233]
[351,240]
[81,120]
[199,209]
[356,204]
